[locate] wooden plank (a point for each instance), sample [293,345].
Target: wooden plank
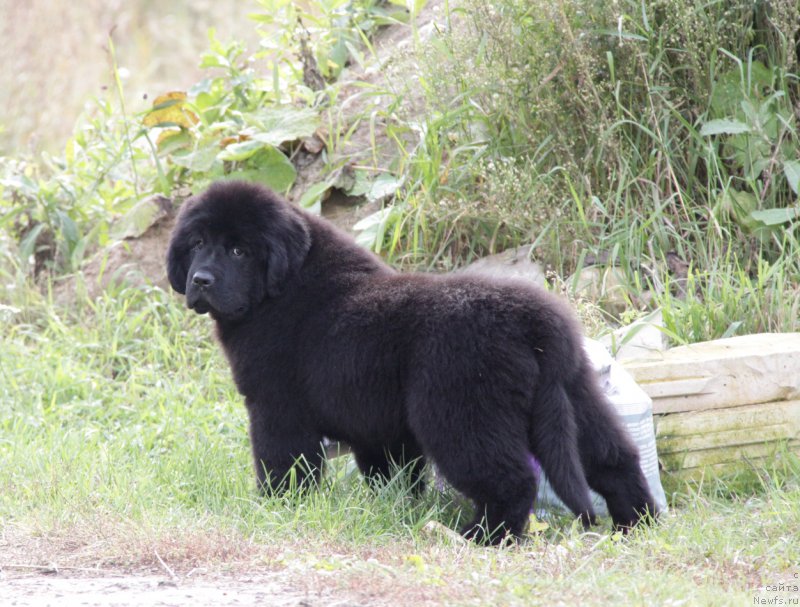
[736,454]
[748,417]
[722,373]
[716,470]
[697,442]
[704,438]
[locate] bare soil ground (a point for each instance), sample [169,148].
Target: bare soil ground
[35,590]
[108,562]
[304,581]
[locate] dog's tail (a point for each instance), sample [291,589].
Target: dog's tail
[554,442]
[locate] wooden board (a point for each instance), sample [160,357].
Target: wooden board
[722,373]
[713,471]
[711,438]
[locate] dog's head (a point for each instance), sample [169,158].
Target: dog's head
[233,246]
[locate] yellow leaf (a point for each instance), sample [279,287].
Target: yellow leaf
[536,526]
[171,109]
[226,141]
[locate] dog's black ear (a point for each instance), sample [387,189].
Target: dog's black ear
[288,240]
[177,264]
[178,253]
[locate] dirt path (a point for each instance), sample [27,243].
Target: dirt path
[59,590]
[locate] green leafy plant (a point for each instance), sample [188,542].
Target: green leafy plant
[327,34]
[254,109]
[244,121]
[756,150]
[625,132]
[59,207]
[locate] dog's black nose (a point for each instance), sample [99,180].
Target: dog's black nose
[203,279]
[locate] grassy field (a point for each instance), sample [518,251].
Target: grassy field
[124,447]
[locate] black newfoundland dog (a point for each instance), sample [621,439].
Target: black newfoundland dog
[325,340]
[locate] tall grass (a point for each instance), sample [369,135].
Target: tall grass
[626,132]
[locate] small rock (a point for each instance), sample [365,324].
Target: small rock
[640,339]
[511,263]
[436,531]
[604,286]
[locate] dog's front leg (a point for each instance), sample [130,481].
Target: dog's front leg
[286,455]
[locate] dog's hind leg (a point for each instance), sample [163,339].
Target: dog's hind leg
[499,479]
[485,457]
[379,464]
[610,458]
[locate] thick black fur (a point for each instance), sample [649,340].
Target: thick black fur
[325,340]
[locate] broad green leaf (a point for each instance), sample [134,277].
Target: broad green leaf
[312,199]
[269,167]
[204,86]
[172,140]
[280,124]
[138,219]
[279,172]
[337,56]
[199,161]
[257,176]
[758,165]
[372,228]
[750,111]
[360,185]
[734,85]
[739,206]
[236,152]
[791,169]
[210,60]
[776,217]
[723,126]
[28,245]
[384,186]
[743,202]
[68,227]
[726,95]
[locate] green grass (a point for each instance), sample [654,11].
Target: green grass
[122,438]
[124,443]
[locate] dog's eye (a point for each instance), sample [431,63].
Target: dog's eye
[197,244]
[237,251]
